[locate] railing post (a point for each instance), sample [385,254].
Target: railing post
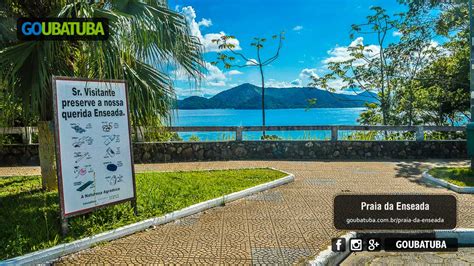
[420,133]
[140,133]
[334,133]
[238,134]
[26,136]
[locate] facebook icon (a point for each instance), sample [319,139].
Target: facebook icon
[338,244]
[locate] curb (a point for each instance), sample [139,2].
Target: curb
[437,181]
[50,254]
[329,257]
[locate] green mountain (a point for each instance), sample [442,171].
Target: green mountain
[248,96]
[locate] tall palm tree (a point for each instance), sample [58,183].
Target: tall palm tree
[145,38]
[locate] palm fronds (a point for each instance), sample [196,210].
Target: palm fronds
[146,38]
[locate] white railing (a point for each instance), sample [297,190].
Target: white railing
[27,132]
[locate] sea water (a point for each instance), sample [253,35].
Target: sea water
[274,117]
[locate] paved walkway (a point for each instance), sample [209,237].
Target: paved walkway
[285,225]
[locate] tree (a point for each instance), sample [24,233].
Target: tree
[442,86]
[143,36]
[414,51]
[386,67]
[448,16]
[229,60]
[369,68]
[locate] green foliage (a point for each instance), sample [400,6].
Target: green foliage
[439,94]
[417,80]
[270,137]
[453,17]
[460,176]
[371,116]
[159,134]
[377,135]
[11,115]
[311,103]
[442,90]
[368,68]
[194,138]
[35,224]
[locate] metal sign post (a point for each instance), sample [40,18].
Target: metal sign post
[470,126]
[93,145]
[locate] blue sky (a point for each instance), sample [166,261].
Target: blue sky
[316,31]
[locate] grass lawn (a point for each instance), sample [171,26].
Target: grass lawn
[29,217]
[460,176]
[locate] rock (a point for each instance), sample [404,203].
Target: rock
[187,153]
[209,154]
[308,144]
[146,156]
[336,153]
[200,154]
[240,152]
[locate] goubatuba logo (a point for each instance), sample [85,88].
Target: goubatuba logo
[37,29]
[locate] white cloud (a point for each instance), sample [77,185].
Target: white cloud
[298,28]
[215,76]
[336,55]
[234,72]
[272,83]
[308,73]
[205,22]
[338,84]
[397,34]
[305,77]
[343,53]
[297,83]
[434,43]
[251,62]
[202,92]
[190,14]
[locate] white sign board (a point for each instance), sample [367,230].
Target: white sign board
[93,144]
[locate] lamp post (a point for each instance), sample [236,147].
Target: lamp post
[470,125]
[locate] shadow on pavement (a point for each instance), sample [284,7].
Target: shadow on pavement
[412,171]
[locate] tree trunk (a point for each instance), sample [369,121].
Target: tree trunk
[262,77]
[263,103]
[47,155]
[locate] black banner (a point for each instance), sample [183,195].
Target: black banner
[421,244]
[394,212]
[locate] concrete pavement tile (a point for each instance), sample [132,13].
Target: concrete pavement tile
[267,256]
[279,226]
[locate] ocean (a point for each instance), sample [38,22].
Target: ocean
[274,117]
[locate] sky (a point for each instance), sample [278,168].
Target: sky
[316,32]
